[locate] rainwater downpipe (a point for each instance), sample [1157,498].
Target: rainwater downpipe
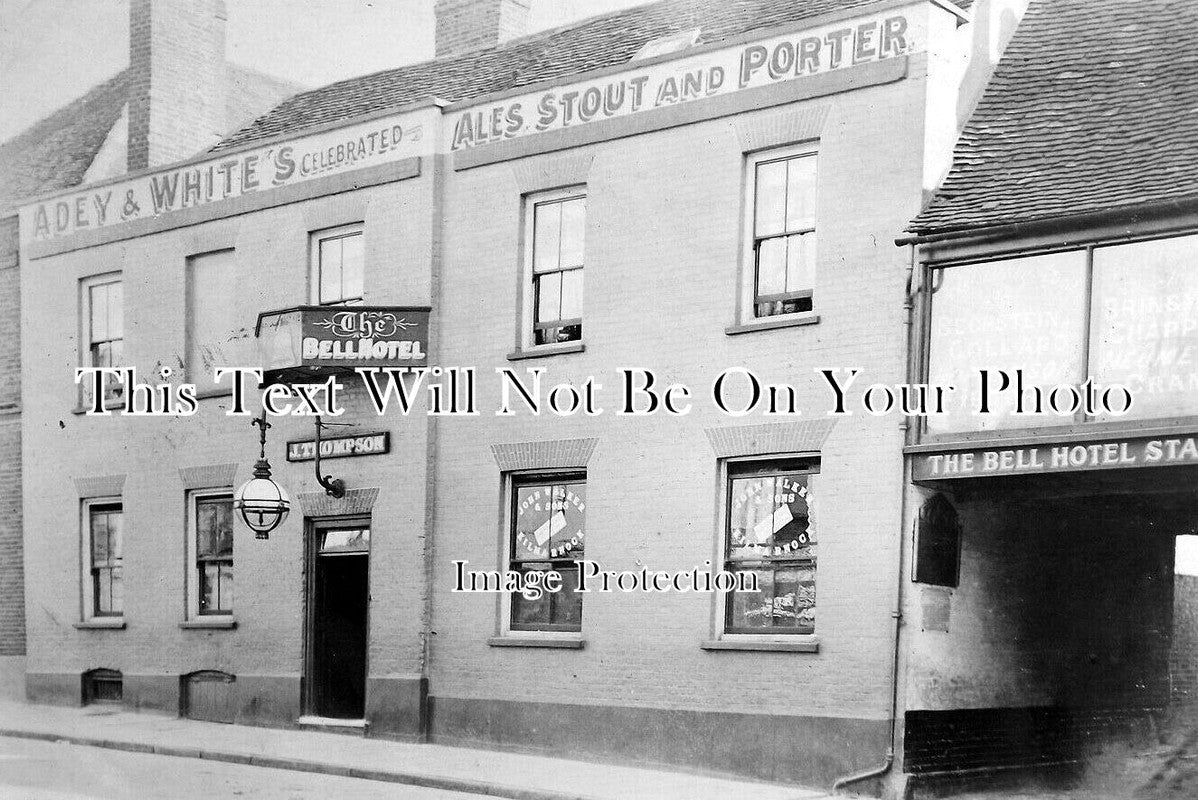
[897,613]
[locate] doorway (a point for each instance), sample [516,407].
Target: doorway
[1071,616]
[338,608]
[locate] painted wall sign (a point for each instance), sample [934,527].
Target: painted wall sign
[818,50]
[224,177]
[370,444]
[1080,456]
[344,337]
[679,80]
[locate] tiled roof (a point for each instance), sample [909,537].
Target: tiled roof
[55,152]
[590,44]
[251,92]
[1093,107]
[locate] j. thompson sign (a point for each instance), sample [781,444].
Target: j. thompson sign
[370,444]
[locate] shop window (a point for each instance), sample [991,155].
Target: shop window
[782,206]
[102,303]
[548,532]
[211,545]
[103,686]
[104,591]
[338,266]
[1121,313]
[556,229]
[770,534]
[212,324]
[1023,314]
[1144,324]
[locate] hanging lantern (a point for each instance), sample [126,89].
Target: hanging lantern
[262,503]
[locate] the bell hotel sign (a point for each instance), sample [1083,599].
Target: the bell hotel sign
[343,338]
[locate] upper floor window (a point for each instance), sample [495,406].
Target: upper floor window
[104,587]
[338,258]
[771,534]
[212,324]
[783,199]
[557,228]
[102,303]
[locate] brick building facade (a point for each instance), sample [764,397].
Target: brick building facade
[144,116]
[12,593]
[670,153]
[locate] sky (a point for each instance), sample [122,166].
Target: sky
[52,51]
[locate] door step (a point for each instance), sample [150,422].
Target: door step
[353,727]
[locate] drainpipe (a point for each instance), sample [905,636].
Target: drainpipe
[897,614]
[432,452]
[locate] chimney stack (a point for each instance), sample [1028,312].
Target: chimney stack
[994,23]
[177,59]
[465,25]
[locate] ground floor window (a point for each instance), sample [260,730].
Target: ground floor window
[105,548]
[770,533]
[548,532]
[214,553]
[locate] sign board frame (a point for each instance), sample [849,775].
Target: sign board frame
[310,343]
[1048,457]
[382,437]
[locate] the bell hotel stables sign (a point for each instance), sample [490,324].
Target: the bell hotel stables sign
[1124,453]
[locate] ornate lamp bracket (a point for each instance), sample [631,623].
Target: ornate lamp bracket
[333,487]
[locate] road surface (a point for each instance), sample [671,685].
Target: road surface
[36,770]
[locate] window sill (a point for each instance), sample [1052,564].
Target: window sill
[530,641]
[546,350]
[772,323]
[101,623]
[215,623]
[807,645]
[110,405]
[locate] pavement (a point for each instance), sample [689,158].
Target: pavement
[450,769]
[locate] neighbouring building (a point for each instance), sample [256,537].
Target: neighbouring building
[177,97]
[681,160]
[1060,249]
